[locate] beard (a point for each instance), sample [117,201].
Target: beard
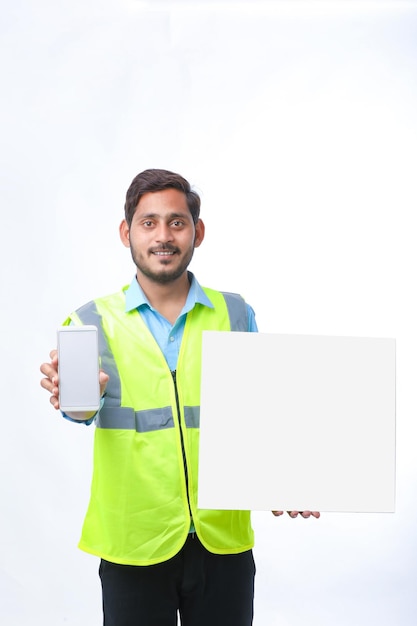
[167,274]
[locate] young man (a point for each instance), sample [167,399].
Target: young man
[160,554]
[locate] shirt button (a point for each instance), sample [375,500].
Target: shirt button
[172,338]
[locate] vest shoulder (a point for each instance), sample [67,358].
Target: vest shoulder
[112,301]
[117,296]
[225,294]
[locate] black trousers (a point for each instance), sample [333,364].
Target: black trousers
[205,589]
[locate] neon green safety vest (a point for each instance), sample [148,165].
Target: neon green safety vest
[144,486]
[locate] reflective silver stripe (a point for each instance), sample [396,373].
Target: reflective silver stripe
[192,416]
[88,314]
[124,418]
[116,417]
[238,312]
[154,419]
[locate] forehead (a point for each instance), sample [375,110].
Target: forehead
[161,202]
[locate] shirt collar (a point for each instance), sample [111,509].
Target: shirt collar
[135,297]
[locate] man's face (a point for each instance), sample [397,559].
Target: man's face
[162,235]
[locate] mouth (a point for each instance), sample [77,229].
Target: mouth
[165,252]
[164,255]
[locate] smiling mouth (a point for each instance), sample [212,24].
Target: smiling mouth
[163,253]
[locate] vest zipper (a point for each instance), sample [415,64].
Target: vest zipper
[184,458]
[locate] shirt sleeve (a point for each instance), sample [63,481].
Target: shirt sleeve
[86,422]
[252,326]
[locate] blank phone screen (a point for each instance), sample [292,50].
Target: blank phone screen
[78,368]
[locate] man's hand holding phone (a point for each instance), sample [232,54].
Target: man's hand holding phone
[73,377]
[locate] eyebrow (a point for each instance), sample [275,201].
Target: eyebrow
[169,216]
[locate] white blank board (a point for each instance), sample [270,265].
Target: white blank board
[292,422]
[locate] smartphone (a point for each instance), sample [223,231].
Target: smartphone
[78,368]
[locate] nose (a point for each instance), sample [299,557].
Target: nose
[164,233]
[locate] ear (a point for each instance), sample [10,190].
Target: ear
[200,229]
[124,233]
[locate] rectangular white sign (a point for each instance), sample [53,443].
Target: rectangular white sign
[292,422]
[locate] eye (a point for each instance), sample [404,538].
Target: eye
[177,223]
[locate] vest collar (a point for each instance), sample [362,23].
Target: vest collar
[135,297]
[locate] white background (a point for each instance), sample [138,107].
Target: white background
[297,123]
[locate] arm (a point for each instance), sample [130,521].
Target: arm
[50,383]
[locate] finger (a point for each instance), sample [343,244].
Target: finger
[46,368]
[49,370]
[54,355]
[47,384]
[307,514]
[277,513]
[103,380]
[54,401]
[293,514]
[50,384]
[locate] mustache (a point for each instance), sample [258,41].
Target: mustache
[165,248]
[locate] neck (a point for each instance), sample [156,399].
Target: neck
[169,297]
